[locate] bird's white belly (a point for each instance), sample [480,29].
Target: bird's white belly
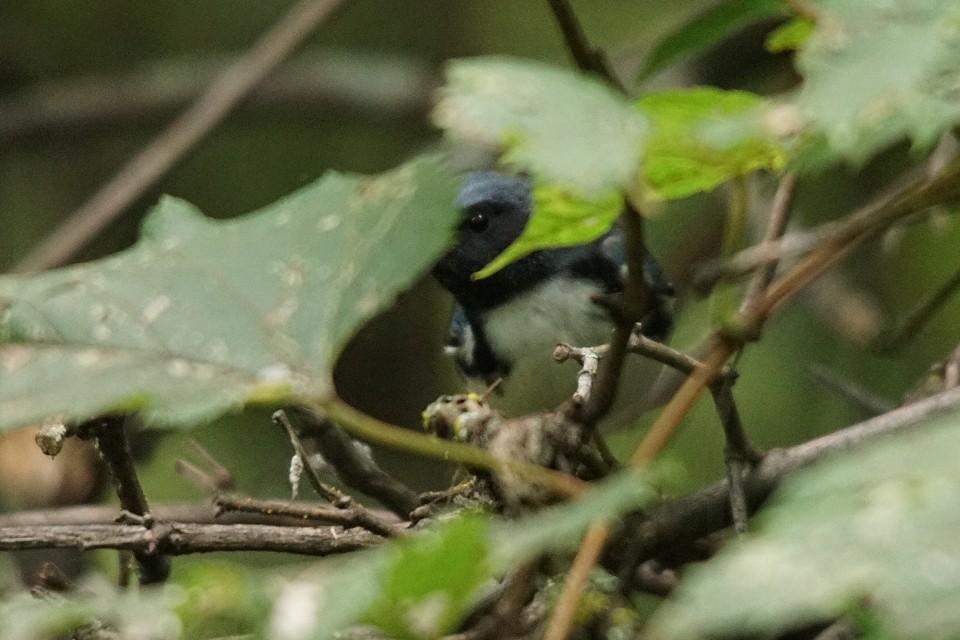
[526,330]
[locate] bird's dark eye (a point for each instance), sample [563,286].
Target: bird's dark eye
[478,221]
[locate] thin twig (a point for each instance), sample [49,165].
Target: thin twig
[890,342]
[106,514]
[858,396]
[223,94]
[360,514]
[586,559]
[776,226]
[179,538]
[738,453]
[589,359]
[319,513]
[354,466]
[586,56]
[222,477]
[197,476]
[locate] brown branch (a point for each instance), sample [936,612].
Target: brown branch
[679,522]
[276,508]
[186,130]
[188,513]
[180,538]
[111,437]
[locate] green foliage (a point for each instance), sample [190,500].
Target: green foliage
[560,126]
[709,29]
[204,316]
[419,588]
[220,599]
[431,579]
[148,615]
[874,73]
[696,144]
[875,528]
[791,35]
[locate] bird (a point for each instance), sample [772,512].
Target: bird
[504,327]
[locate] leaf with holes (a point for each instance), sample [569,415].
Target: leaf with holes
[874,531]
[203,316]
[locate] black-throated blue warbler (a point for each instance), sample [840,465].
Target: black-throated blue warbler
[506,326]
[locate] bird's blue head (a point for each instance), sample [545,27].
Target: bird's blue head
[494,210]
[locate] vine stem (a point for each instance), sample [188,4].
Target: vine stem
[372,430]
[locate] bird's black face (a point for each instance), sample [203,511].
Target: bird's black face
[495,209]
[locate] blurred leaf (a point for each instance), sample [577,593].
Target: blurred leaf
[697,144]
[221,599]
[875,528]
[561,527]
[202,316]
[148,615]
[327,598]
[560,219]
[431,579]
[711,28]
[789,36]
[420,587]
[561,126]
[876,72]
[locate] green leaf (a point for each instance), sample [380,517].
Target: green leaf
[203,316]
[711,28]
[561,126]
[875,73]
[561,527]
[697,142]
[431,580]
[421,587]
[789,36]
[560,218]
[878,528]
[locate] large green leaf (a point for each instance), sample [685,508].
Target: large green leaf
[203,316]
[877,528]
[875,72]
[561,126]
